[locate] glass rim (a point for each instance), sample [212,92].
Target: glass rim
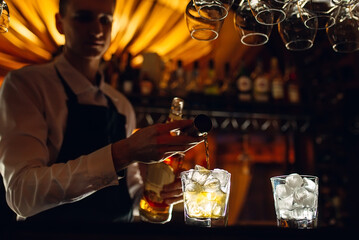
[263,35]
[194,170]
[337,47]
[282,177]
[280,17]
[194,31]
[289,44]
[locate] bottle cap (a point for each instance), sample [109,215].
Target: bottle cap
[203,123]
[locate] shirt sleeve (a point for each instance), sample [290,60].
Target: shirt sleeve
[32,181]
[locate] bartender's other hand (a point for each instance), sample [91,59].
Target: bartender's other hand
[172,193]
[149,144]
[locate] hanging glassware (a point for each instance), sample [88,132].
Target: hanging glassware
[4,18]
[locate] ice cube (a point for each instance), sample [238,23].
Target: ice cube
[285,214]
[309,185]
[283,191]
[285,203]
[192,186]
[304,198]
[303,213]
[218,210]
[221,175]
[294,180]
[193,210]
[212,185]
[200,177]
[310,200]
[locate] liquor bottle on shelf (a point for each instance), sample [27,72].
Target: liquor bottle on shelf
[293,88]
[177,80]
[210,85]
[193,82]
[128,77]
[261,84]
[276,78]
[227,79]
[146,84]
[244,84]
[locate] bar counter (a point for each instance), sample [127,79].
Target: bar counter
[147,231]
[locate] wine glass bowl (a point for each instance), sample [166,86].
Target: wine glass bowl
[201,28]
[294,34]
[344,35]
[250,31]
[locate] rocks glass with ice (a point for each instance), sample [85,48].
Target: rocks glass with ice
[296,200]
[206,194]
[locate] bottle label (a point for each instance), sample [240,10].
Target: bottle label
[244,84]
[293,94]
[158,174]
[277,90]
[261,85]
[127,86]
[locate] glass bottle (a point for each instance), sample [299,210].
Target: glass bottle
[261,85]
[193,82]
[244,84]
[128,77]
[276,78]
[293,86]
[178,81]
[210,83]
[152,208]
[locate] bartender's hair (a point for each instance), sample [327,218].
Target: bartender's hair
[62,6]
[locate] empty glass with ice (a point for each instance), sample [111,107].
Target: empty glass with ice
[206,194]
[296,200]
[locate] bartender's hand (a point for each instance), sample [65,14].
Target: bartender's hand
[148,145]
[172,193]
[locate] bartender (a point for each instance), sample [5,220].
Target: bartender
[67,152]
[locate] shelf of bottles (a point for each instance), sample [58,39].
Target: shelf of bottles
[230,120]
[263,98]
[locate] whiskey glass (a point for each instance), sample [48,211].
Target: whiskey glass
[205,196]
[296,200]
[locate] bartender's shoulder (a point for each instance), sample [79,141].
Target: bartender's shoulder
[33,71]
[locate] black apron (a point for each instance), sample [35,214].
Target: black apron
[90,128]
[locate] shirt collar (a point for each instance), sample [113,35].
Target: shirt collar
[76,80]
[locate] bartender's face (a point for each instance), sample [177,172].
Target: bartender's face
[87,26]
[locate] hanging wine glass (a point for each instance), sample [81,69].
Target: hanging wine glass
[200,28]
[4,18]
[267,12]
[294,34]
[344,35]
[213,9]
[321,13]
[250,31]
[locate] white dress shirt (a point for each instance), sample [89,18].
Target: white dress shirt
[33,117]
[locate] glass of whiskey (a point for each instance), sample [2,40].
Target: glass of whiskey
[205,195]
